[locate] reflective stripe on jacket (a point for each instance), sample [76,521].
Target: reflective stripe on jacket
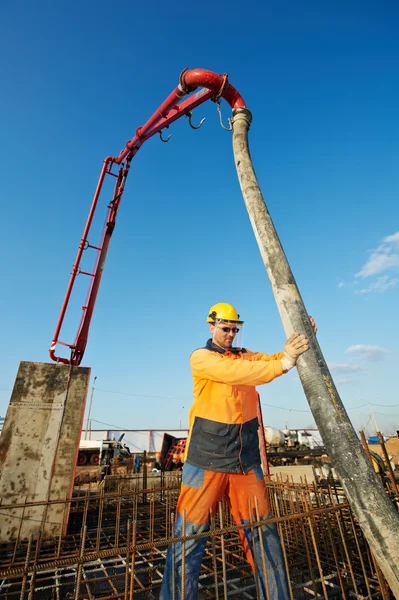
[223,420]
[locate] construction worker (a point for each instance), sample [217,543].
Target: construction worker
[157,463]
[137,463]
[222,455]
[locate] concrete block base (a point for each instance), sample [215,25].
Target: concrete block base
[38,447]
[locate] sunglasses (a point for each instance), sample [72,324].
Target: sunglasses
[228,329]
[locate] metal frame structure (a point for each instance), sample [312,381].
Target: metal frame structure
[213,87]
[118,534]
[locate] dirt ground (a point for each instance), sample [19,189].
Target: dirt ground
[392,447]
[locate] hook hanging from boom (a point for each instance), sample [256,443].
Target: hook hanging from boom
[162,139]
[230,127]
[189,115]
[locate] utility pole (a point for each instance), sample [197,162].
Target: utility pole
[372,414]
[89,412]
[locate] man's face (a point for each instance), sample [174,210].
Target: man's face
[223,334]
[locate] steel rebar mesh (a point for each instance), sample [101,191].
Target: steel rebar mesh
[118,533]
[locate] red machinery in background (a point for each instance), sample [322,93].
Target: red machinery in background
[213,87]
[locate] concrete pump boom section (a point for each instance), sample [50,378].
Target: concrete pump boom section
[373,508]
[213,87]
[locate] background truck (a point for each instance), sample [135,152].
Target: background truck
[96,457]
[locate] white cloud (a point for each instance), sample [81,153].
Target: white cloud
[342,368]
[378,263]
[384,258]
[392,239]
[341,284]
[367,352]
[344,380]
[380,285]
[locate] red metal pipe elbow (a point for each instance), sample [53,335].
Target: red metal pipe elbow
[58,359]
[212,81]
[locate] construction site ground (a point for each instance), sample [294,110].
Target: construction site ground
[118,532]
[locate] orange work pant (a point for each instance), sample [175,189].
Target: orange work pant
[201,491]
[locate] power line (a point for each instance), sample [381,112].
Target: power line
[373,404]
[143,395]
[282,408]
[351,408]
[117,427]
[190,399]
[109,425]
[264,404]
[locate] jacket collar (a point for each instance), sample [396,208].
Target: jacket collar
[210,345]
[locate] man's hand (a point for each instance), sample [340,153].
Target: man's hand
[294,346]
[313,324]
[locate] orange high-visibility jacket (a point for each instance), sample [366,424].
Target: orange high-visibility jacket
[223,419]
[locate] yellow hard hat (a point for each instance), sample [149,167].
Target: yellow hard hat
[224,312]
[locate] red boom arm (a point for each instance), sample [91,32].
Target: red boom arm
[213,87]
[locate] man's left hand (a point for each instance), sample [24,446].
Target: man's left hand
[313,324]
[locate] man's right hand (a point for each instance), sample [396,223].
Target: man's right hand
[295,345]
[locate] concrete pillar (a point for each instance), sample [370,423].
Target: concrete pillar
[39,446]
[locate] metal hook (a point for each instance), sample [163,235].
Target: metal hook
[230,127]
[162,139]
[189,115]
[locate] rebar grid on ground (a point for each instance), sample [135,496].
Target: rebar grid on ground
[118,534]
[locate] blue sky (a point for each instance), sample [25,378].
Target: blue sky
[322,82]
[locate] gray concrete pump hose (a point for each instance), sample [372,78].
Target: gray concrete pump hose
[370,503]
